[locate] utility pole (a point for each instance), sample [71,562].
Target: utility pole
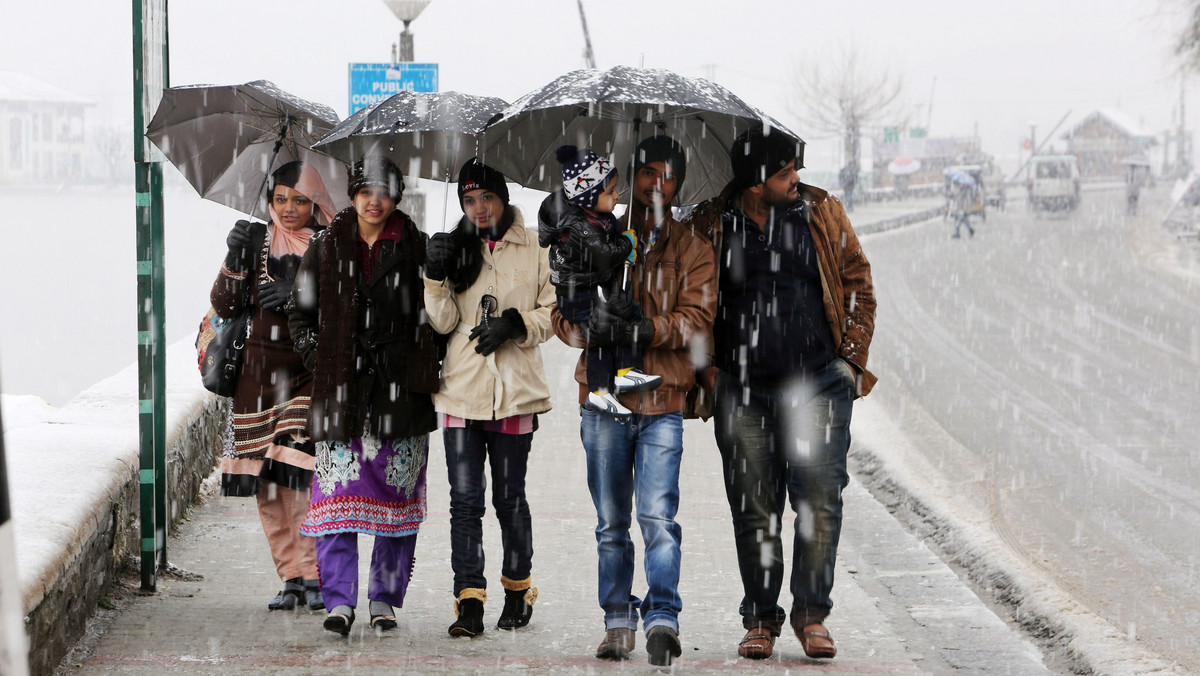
[588,57]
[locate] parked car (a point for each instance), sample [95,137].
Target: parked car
[1053,182]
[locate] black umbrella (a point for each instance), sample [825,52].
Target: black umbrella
[609,112]
[226,140]
[427,134]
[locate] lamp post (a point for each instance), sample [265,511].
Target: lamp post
[407,11]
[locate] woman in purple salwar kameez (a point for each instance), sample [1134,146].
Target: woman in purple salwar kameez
[357,317]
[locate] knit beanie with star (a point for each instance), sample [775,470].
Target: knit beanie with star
[585,174]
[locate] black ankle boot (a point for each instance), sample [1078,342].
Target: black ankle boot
[470,618]
[293,593]
[518,608]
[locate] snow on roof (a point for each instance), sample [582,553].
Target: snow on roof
[21,87]
[1120,119]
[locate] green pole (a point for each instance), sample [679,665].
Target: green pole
[149,78]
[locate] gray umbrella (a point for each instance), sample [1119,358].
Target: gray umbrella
[226,140]
[609,112]
[427,134]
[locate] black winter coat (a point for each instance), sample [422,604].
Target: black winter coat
[366,339]
[584,251]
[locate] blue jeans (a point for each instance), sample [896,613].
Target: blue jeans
[636,459]
[467,450]
[787,441]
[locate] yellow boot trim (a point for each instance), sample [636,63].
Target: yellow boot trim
[531,592]
[470,593]
[622,372]
[515,585]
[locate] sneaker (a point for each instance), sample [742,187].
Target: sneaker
[607,404]
[617,644]
[662,643]
[636,381]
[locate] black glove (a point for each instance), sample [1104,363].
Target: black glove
[621,304]
[639,332]
[240,257]
[273,295]
[605,327]
[498,330]
[439,256]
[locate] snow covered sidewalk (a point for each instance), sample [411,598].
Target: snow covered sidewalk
[898,608]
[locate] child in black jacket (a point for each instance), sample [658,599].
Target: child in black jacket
[588,251]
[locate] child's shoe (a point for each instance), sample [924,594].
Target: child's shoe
[606,403]
[633,380]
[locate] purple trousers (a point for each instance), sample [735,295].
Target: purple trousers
[392,561]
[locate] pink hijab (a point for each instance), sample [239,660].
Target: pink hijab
[285,241]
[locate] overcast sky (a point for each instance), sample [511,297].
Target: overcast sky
[998,65]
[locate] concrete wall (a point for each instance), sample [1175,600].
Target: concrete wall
[74,480]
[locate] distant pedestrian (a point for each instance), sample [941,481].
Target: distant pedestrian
[795,315]
[267,453]
[633,462]
[961,205]
[357,318]
[487,285]
[588,252]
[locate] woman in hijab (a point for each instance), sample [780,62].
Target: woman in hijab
[357,318]
[267,452]
[488,287]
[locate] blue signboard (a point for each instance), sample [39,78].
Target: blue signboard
[371,82]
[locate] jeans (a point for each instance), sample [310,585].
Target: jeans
[786,441]
[467,448]
[636,459]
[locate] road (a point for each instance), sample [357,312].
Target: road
[1044,373]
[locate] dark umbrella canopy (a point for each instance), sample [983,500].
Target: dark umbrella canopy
[609,112]
[427,134]
[226,140]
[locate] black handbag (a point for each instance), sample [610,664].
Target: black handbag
[220,347]
[221,343]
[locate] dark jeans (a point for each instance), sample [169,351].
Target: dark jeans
[600,363]
[788,440]
[508,454]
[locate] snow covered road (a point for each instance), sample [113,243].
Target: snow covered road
[1044,376]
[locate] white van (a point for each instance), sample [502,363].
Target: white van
[1054,182]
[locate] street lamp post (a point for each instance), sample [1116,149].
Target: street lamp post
[407,11]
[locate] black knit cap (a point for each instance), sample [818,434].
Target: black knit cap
[661,149]
[757,155]
[475,175]
[376,170]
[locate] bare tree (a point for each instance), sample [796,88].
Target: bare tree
[1187,44]
[842,95]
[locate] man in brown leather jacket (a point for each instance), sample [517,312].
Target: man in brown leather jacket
[672,284]
[795,315]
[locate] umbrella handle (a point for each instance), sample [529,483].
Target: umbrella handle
[262,187]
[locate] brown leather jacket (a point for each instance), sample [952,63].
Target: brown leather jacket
[845,271]
[675,285]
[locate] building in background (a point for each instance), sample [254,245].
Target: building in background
[1103,139]
[933,154]
[41,131]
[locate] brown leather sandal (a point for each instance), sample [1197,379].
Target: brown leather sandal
[757,644]
[816,640]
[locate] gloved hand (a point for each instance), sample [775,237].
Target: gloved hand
[639,332]
[622,305]
[605,327]
[632,237]
[273,295]
[497,331]
[439,257]
[240,257]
